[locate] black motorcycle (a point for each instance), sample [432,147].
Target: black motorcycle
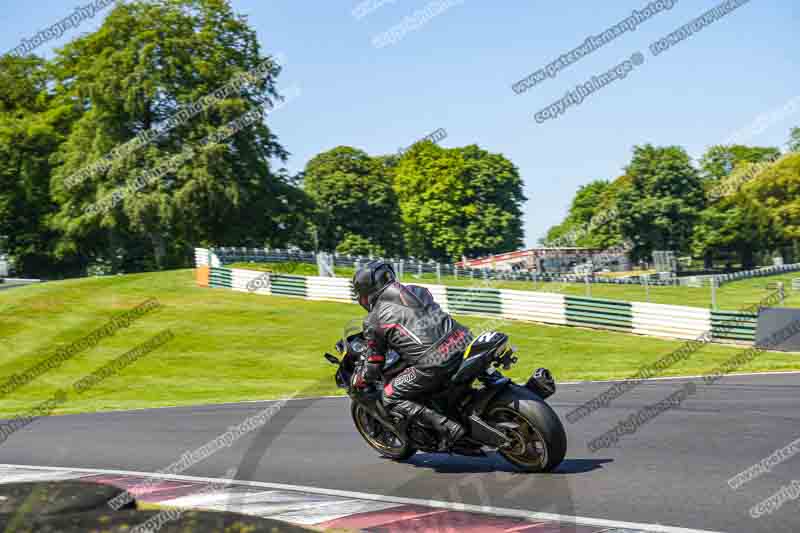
[498,414]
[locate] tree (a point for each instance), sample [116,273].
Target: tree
[666,196]
[734,225]
[353,244]
[776,190]
[32,127]
[582,209]
[592,219]
[794,140]
[719,160]
[356,206]
[458,201]
[148,63]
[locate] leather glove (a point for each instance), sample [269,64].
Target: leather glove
[368,373]
[358,381]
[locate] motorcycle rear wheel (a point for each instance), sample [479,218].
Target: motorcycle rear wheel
[540,442]
[378,437]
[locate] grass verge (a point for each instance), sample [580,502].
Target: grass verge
[231,346]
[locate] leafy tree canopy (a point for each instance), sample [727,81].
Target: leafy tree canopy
[719,161]
[148,62]
[666,196]
[356,206]
[458,201]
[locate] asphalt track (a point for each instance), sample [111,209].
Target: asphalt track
[672,471]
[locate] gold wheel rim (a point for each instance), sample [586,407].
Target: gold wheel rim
[361,414]
[530,448]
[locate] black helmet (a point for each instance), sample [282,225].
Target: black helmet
[370,280]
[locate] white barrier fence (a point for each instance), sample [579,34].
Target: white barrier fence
[666,321]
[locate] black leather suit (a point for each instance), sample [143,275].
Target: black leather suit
[405,318]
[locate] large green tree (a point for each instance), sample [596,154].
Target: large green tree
[734,225]
[794,140]
[761,213]
[32,127]
[776,190]
[356,206]
[720,160]
[659,209]
[583,208]
[458,201]
[150,61]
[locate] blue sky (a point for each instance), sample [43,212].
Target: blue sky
[456,70]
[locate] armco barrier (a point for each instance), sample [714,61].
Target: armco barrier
[336,289]
[682,322]
[595,312]
[478,301]
[734,326]
[667,321]
[757,273]
[534,306]
[288,285]
[220,277]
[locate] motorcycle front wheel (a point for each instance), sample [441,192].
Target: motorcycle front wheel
[378,437]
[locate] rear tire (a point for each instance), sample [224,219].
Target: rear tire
[541,442]
[378,437]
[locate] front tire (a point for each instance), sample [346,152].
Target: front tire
[378,437]
[540,442]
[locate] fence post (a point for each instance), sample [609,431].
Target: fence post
[714,293]
[588,287]
[781,292]
[647,287]
[438,272]
[419,268]
[455,271]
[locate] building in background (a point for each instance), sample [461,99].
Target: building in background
[554,260]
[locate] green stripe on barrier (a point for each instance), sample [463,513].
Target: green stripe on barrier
[618,312]
[220,277]
[730,336]
[609,314]
[733,313]
[579,314]
[596,301]
[474,300]
[734,326]
[289,285]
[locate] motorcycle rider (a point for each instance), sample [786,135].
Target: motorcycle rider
[405,318]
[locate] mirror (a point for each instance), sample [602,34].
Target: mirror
[331,358]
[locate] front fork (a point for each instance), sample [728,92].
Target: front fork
[371,402]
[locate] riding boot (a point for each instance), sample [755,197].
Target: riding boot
[449,430]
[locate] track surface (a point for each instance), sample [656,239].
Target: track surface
[673,471]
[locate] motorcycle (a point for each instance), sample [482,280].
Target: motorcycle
[498,414]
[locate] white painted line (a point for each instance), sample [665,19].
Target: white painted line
[313,514]
[36,476]
[281,505]
[673,378]
[497,511]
